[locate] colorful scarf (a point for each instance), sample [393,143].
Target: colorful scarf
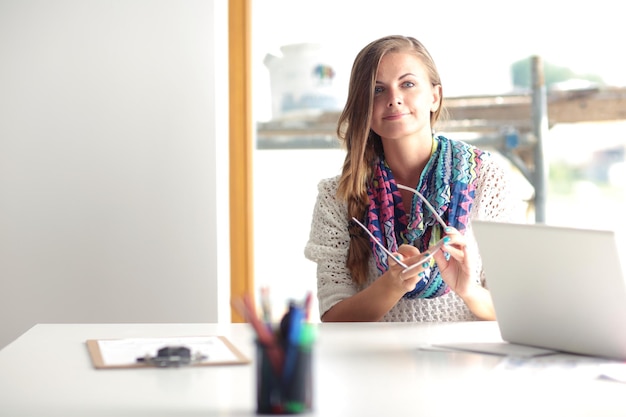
[448,182]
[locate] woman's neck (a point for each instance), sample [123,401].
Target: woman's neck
[408,159]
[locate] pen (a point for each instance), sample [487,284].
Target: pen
[307,306]
[297,381]
[295,321]
[264,336]
[266,305]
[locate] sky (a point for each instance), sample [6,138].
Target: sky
[473,43]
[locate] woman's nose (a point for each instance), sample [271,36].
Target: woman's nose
[394,100]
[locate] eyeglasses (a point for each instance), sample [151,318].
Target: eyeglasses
[431,250]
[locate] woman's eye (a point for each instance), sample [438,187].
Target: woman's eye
[408,84]
[378,90]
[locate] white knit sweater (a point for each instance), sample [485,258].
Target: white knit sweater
[329,240]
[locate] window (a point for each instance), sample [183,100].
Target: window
[302,55]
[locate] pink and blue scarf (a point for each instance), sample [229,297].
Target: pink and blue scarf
[448,182]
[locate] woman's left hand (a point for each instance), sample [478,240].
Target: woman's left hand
[456,271]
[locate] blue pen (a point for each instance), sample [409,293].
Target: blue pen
[295,321]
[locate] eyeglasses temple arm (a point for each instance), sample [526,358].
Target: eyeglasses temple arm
[380,245]
[430,207]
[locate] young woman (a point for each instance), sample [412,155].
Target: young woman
[395,98]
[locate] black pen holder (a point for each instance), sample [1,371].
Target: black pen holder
[288,388]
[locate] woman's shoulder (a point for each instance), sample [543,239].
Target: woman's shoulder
[328,185]
[500,193]
[489,163]
[327,199]
[488,159]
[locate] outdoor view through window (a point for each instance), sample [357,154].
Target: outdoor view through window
[302,56]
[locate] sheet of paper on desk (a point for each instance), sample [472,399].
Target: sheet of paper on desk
[566,367]
[528,360]
[497,348]
[120,352]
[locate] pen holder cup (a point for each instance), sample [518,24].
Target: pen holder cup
[288,390]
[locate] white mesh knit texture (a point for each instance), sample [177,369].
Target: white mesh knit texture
[328,245]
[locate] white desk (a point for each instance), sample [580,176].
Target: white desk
[371,369]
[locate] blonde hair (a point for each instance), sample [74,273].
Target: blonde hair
[363,146]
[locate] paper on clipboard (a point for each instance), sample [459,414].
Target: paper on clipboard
[123,353]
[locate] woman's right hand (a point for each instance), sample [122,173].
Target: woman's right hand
[406,280]
[374,301]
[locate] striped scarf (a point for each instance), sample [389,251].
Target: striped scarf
[448,182]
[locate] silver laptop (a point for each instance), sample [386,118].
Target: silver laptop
[556,287]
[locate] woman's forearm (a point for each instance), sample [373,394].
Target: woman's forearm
[479,301]
[370,304]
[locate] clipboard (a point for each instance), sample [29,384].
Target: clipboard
[124,353]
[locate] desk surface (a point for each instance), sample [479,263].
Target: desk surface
[361,369]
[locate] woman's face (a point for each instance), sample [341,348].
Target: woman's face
[404,98]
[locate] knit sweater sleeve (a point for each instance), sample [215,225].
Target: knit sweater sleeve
[328,246]
[496,196]
[496,199]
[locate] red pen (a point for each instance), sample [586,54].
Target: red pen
[307,306]
[264,336]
